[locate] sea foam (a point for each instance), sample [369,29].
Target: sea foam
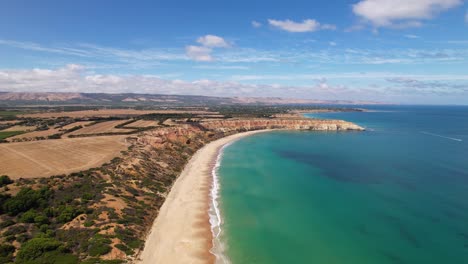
[219,247]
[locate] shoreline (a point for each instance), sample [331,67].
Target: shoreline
[183,231]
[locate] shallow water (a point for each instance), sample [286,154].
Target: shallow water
[397,193]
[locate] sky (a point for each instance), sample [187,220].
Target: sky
[394,51]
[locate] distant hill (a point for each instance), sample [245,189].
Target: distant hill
[51,98]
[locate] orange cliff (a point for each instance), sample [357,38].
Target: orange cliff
[293,124]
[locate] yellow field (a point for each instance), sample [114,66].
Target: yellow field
[20,128]
[143,123]
[54,157]
[34,134]
[79,123]
[102,127]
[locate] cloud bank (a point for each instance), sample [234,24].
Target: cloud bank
[75,78]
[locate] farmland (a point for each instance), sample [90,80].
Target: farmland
[54,157]
[143,123]
[102,128]
[35,134]
[6,134]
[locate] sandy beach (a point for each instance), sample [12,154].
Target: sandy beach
[181,233]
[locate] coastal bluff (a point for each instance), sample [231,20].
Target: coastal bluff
[292,124]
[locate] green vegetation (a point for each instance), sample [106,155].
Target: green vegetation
[9,115]
[99,245]
[5,180]
[7,134]
[44,250]
[26,199]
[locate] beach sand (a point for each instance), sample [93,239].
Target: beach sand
[182,233]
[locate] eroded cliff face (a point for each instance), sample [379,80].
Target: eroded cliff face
[294,124]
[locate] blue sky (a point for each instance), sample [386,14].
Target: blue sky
[398,51]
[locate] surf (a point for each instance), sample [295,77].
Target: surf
[219,247]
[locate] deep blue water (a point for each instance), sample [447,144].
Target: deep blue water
[397,193]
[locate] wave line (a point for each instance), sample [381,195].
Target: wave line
[441,136]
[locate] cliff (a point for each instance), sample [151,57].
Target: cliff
[293,124]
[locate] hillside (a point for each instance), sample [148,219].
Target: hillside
[12,98]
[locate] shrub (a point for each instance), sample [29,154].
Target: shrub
[125,249]
[6,253]
[36,247]
[23,238]
[66,214]
[28,217]
[41,220]
[5,180]
[87,196]
[99,245]
[26,199]
[14,230]
[6,223]
[88,223]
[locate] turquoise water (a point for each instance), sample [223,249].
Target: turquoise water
[395,194]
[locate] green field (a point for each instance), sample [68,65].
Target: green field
[7,134]
[9,115]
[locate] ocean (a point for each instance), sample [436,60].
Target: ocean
[396,193]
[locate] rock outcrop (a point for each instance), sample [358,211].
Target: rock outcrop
[293,124]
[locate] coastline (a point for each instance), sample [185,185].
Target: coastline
[182,232]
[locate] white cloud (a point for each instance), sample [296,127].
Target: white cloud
[212,41]
[203,52]
[256,24]
[307,25]
[199,53]
[401,13]
[466,17]
[332,43]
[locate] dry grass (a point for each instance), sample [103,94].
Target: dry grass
[62,156]
[143,123]
[79,123]
[20,128]
[34,134]
[110,112]
[102,127]
[8,122]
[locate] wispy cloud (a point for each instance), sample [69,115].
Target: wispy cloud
[307,25]
[410,36]
[256,24]
[199,53]
[440,87]
[401,13]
